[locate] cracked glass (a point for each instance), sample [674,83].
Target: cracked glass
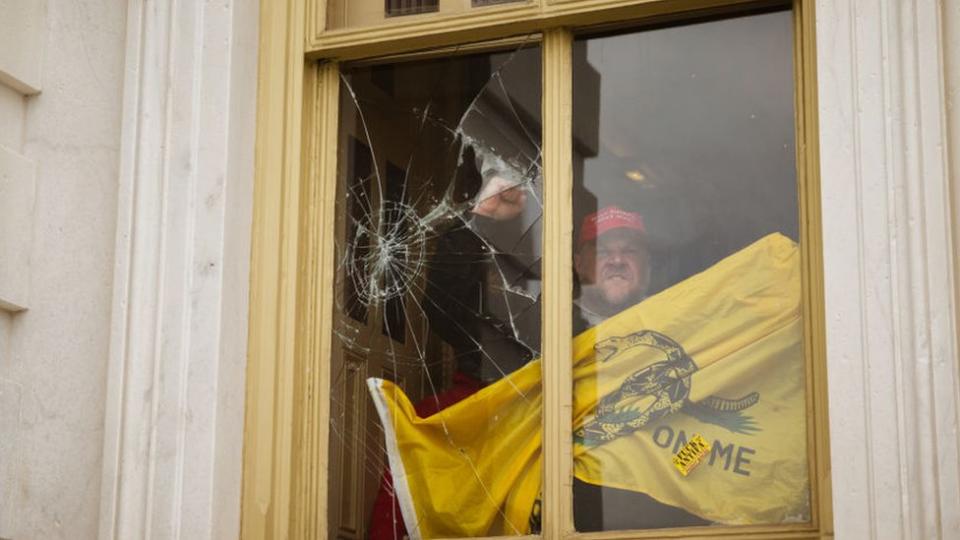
[689,391]
[361,13]
[435,418]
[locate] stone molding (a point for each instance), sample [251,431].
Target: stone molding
[889,270]
[18,178]
[23,25]
[174,404]
[22,33]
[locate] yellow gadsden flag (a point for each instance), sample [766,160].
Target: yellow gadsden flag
[717,355]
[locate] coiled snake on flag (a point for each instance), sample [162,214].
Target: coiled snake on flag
[667,381]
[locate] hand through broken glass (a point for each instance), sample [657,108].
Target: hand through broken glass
[501,200]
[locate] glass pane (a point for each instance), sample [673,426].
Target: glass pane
[359,13]
[435,416]
[689,400]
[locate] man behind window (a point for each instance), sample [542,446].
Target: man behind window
[612,262]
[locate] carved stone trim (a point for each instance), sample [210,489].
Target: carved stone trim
[889,276]
[174,409]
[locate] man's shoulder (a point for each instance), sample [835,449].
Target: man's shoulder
[581,318]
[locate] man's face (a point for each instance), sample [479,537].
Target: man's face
[613,270]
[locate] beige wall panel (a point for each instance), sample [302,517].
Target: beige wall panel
[888,272]
[951,37]
[11,397]
[22,29]
[171,450]
[17,185]
[12,110]
[55,352]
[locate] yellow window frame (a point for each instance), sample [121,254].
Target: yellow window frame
[287,391]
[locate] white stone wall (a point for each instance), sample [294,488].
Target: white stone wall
[21,58]
[173,425]
[17,188]
[61,68]
[951,40]
[889,265]
[21,44]
[10,400]
[61,63]
[126,159]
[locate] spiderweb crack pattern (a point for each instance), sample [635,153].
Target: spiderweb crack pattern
[442,253]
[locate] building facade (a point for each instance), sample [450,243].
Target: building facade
[138,226]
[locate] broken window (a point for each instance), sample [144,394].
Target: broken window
[689,398]
[437,295]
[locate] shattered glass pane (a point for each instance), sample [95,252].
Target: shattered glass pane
[689,375]
[438,243]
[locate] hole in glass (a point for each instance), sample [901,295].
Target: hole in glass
[438,286]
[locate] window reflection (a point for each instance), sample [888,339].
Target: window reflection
[687,303]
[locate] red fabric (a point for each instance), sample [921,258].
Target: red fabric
[386,522]
[608,219]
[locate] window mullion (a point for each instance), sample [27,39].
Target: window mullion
[311,454]
[557,283]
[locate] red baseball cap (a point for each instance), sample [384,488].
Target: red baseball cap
[608,219]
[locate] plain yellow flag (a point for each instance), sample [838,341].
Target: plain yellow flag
[718,355]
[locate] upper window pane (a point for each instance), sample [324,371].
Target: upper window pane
[689,391]
[360,13]
[435,417]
